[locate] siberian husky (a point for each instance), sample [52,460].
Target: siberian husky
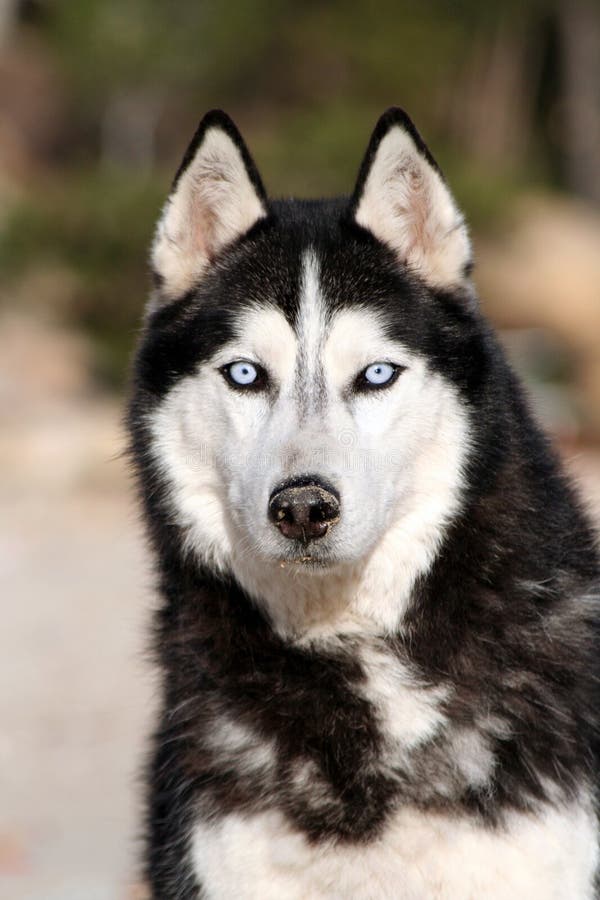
[379,629]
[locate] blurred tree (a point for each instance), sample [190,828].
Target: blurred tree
[9,10]
[128,62]
[580,120]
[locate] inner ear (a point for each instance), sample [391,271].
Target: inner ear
[217,196]
[401,197]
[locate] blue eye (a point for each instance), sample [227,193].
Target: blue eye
[244,374]
[379,374]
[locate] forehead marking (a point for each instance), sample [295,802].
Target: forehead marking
[311,327]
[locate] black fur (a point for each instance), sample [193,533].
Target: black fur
[501,615]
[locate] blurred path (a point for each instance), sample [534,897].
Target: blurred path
[76,698]
[76,695]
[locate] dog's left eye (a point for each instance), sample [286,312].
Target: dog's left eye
[243,374]
[377,375]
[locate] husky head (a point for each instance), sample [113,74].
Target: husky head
[304,382]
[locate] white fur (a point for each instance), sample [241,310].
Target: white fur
[473,756]
[410,714]
[406,204]
[419,856]
[396,458]
[409,711]
[213,203]
[240,746]
[311,328]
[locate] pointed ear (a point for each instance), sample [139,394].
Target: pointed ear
[216,197]
[401,197]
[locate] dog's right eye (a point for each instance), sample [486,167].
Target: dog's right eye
[244,375]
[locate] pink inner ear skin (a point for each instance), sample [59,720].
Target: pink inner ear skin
[217,197]
[406,204]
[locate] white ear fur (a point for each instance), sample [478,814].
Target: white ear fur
[406,204]
[214,201]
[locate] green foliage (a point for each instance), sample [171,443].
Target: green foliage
[105,45]
[99,225]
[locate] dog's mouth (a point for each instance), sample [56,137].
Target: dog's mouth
[307,557]
[306,561]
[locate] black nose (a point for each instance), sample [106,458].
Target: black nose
[304,511]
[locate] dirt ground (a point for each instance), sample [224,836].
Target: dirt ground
[77,695]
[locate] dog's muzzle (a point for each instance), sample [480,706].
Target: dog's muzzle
[304,509]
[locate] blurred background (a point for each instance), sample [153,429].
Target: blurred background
[98,99]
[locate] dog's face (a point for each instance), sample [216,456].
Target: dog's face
[301,360]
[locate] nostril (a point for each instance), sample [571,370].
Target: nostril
[324,511]
[282,513]
[316,514]
[281,510]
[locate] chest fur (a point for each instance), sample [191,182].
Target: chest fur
[337,749]
[419,856]
[333,782]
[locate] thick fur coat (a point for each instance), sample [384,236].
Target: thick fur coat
[404,702]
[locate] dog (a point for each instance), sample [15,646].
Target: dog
[379,628]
